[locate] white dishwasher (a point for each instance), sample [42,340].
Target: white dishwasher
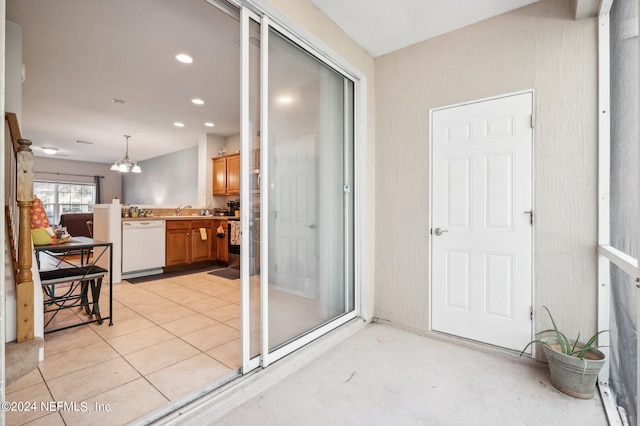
[143,247]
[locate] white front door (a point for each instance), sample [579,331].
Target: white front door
[481,226]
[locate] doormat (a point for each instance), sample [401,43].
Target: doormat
[173,274]
[228,273]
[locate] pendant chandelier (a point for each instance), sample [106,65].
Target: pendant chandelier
[126,165]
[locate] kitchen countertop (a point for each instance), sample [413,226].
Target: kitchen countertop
[186,217]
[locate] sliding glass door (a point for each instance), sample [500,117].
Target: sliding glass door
[307,112]
[309,191]
[300,224]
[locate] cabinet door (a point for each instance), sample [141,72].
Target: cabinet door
[178,247]
[223,243]
[201,248]
[233,175]
[220,176]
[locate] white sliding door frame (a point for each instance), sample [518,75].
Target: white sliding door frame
[263,13]
[267,356]
[607,254]
[248,363]
[264,193]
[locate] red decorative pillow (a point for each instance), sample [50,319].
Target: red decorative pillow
[38,215]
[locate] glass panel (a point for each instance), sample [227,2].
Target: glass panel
[623,342]
[624,126]
[46,192]
[624,201]
[61,198]
[308,281]
[254,188]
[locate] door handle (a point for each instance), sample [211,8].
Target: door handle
[440,231]
[312,226]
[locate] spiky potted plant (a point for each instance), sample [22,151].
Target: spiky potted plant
[573,365]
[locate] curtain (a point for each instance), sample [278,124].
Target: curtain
[96,182]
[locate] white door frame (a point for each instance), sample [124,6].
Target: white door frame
[268,357]
[431,191]
[263,14]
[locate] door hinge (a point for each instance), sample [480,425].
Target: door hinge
[533,121]
[530,213]
[531,313]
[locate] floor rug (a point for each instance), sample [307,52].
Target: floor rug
[148,278]
[228,273]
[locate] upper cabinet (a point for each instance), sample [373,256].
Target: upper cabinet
[226,175]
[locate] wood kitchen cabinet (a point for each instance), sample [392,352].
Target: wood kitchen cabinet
[222,244]
[177,243]
[226,175]
[201,249]
[185,244]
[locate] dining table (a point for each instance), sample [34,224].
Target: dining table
[66,280]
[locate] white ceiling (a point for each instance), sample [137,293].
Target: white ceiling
[382,26]
[79,55]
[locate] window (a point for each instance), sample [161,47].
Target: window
[64,197]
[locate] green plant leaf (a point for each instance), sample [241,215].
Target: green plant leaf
[531,343]
[564,343]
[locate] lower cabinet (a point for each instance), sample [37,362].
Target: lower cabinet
[177,247]
[189,241]
[222,244]
[195,242]
[201,241]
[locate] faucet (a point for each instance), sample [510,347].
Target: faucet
[180,208]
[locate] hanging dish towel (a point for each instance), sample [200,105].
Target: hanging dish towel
[203,234]
[235,233]
[220,231]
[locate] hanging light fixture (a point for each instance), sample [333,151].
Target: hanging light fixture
[126,165]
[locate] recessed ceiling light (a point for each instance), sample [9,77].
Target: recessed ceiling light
[49,151]
[184,58]
[285,99]
[208,124]
[197,101]
[178,124]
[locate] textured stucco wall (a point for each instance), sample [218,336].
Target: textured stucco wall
[538,47]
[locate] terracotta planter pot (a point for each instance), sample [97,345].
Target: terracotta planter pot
[570,375]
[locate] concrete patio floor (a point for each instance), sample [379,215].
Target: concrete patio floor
[385,376]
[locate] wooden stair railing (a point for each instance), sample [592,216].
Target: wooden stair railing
[24,197]
[12,242]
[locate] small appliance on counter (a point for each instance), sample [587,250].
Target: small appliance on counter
[233,207]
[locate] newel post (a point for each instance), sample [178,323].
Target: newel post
[24,284]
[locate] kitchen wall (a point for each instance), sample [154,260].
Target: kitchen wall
[210,146]
[165,180]
[538,47]
[50,168]
[182,177]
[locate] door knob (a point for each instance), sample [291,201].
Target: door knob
[312,226]
[439,231]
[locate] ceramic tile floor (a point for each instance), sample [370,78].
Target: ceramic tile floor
[169,338]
